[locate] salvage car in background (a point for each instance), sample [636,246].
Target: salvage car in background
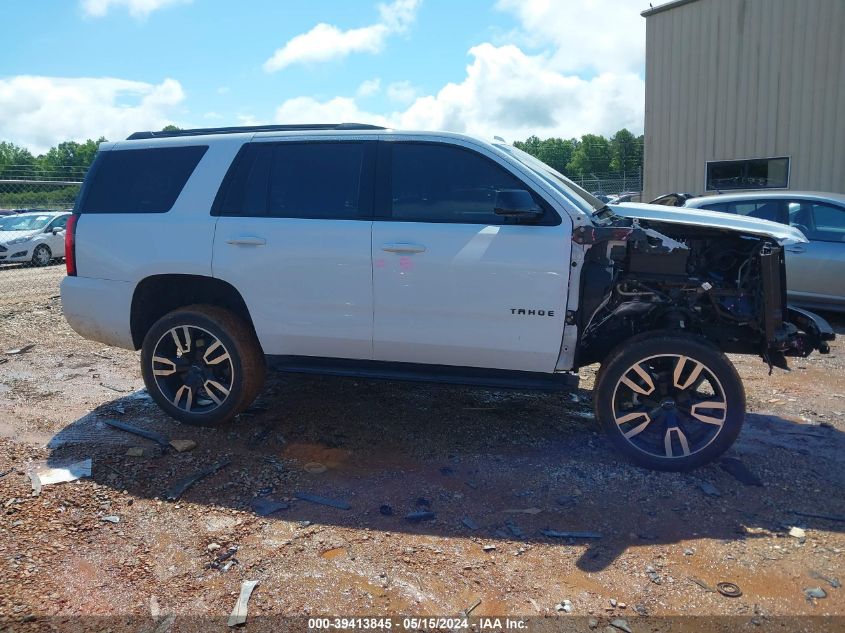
[37,238]
[815,271]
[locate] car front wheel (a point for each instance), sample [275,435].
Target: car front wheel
[41,256]
[669,402]
[202,364]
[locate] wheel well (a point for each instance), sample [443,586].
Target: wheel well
[157,295]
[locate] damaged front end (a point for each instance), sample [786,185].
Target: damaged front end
[726,285]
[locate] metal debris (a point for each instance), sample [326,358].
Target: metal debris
[263,506]
[833,582]
[559,534]
[183,445]
[709,489]
[814,593]
[470,609]
[182,485]
[621,624]
[702,584]
[158,438]
[238,615]
[218,561]
[469,523]
[729,589]
[489,548]
[827,517]
[740,471]
[112,518]
[41,475]
[324,501]
[135,451]
[797,532]
[20,350]
[420,515]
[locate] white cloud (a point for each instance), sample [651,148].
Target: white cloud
[600,35]
[212,115]
[138,9]
[326,41]
[38,112]
[505,92]
[403,92]
[368,87]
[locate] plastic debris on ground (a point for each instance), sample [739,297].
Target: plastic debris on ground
[41,474]
[324,501]
[238,615]
[176,491]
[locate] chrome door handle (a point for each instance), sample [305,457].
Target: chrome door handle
[796,249]
[247,241]
[400,247]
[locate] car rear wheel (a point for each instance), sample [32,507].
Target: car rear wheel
[669,402]
[202,364]
[41,256]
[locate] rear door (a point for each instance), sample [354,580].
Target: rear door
[293,237]
[454,283]
[815,272]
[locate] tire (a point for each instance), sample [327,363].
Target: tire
[651,399]
[42,255]
[208,388]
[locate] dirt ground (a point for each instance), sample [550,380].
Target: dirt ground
[496,468]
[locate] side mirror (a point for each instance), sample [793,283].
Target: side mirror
[56,230]
[516,203]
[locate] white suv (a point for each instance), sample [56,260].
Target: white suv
[355,250]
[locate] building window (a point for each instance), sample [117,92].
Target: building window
[754,173]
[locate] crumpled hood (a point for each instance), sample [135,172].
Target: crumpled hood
[701,217]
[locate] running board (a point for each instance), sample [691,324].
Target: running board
[413,372]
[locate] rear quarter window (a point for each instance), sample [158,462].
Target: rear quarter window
[139,180]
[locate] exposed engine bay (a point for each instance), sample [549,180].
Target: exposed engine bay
[727,286]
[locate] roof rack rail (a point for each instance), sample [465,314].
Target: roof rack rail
[255,128]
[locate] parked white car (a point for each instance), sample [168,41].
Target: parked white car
[354,250]
[38,238]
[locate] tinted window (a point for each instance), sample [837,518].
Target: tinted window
[315,180]
[59,223]
[246,185]
[818,221]
[757,173]
[439,183]
[139,180]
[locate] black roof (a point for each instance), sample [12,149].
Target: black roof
[255,128]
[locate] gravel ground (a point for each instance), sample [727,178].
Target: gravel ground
[496,468]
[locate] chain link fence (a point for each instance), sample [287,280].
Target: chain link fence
[614,184]
[33,213]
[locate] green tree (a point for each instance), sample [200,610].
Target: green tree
[626,151]
[531,145]
[11,154]
[70,156]
[171,128]
[592,156]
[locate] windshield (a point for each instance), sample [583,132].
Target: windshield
[24,222]
[585,201]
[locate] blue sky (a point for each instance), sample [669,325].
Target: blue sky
[81,68]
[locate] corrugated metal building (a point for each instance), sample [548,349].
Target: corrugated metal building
[745,94]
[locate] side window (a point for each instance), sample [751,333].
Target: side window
[818,221]
[441,183]
[139,180]
[58,223]
[771,210]
[315,180]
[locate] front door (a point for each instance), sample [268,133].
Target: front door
[454,283]
[294,239]
[815,272]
